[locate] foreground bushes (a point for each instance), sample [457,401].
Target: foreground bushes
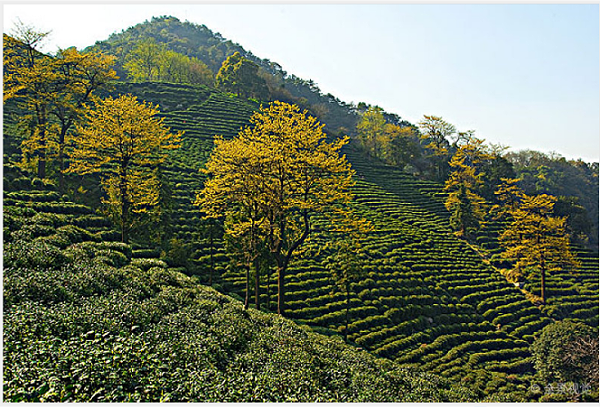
[155,336]
[84,322]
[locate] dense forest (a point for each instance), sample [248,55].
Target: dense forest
[184,221]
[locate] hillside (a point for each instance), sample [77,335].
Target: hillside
[540,173]
[429,301]
[197,40]
[84,320]
[89,318]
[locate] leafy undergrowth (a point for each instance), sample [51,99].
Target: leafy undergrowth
[85,322]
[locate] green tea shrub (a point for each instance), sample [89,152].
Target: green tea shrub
[567,351]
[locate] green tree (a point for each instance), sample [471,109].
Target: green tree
[536,241]
[401,145]
[240,75]
[465,212]
[435,133]
[199,73]
[144,61]
[371,129]
[567,351]
[124,142]
[346,262]
[273,177]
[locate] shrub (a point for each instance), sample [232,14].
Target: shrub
[567,351]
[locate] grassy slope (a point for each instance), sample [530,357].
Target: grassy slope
[428,300]
[83,321]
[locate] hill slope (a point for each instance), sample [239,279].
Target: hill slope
[83,321]
[429,300]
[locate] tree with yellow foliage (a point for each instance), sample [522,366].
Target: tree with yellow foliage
[389,142]
[272,178]
[371,130]
[29,78]
[463,184]
[124,142]
[536,241]
[53,90]
[79,75]
[508,196]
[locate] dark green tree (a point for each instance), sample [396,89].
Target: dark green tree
[567,351]
[240,75]
[346,262]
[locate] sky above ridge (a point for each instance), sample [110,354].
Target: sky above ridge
[524,76]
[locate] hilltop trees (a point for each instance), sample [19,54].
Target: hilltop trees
[124,142]
[435,132]
[151,61]
[536,241]
[389,142]
[272,178]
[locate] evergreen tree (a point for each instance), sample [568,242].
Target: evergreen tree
[240,75]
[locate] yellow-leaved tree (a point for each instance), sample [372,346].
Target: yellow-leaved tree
[124,141]
[52,91]
[30,79]
[272,178]
[463,185]
[78,75]
[536,241]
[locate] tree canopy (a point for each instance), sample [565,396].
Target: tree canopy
[273,177]
[124,141]
[240,75]
[53,90]
[536,241]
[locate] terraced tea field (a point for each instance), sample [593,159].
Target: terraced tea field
[428,299]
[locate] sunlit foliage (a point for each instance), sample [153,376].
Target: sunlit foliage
[124,141]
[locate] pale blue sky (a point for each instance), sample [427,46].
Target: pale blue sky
[525,76]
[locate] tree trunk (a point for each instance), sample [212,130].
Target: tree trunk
[42,121]
[247,299]
[42,155]
[280,289]
[124,208]
[61,160]
[268,287]
[543,287]
[212,261]
[256,285]
[42,167]
[347,308]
